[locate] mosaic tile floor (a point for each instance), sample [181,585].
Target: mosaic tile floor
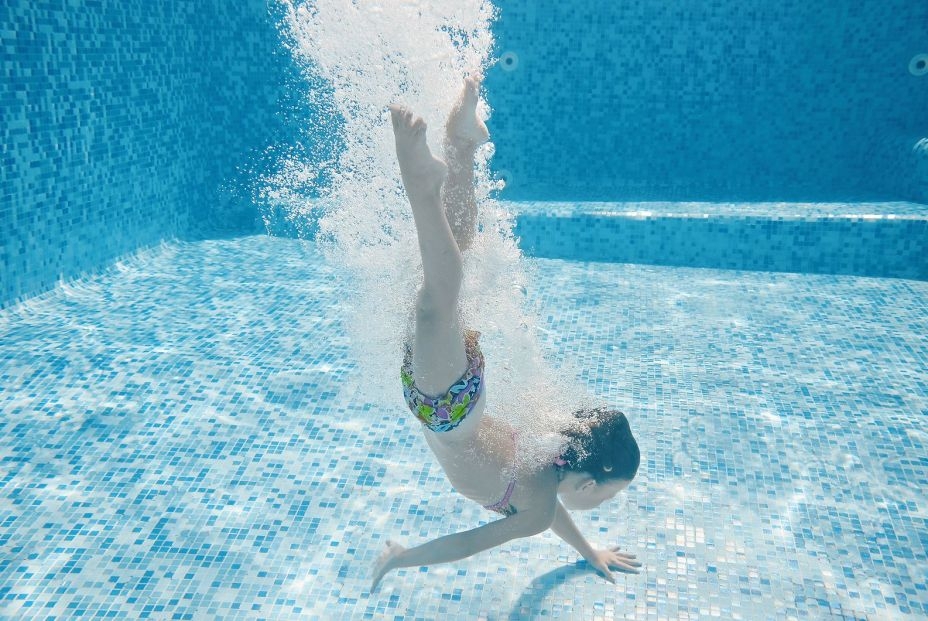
[183,437]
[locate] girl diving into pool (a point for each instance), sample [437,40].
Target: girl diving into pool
[442,377]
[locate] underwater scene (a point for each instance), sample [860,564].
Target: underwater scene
[459,309]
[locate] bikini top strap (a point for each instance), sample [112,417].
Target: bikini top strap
[504,501]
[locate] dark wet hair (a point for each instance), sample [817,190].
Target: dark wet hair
[601,443]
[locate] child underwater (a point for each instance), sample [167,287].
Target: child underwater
[443,377]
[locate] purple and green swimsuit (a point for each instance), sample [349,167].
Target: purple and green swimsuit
[445,412]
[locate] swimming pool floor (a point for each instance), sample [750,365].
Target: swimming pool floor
[184,437]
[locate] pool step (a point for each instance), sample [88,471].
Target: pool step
[873,239]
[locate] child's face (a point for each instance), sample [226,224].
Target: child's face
[578,490]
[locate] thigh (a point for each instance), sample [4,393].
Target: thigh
[438,355]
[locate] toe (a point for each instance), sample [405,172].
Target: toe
[470,90]
[394,111]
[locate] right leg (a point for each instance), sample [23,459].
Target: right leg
[439,358]
[464,132]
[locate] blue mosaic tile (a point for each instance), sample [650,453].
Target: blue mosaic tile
[864,239]
[730,100]
[185,436]
[123,123]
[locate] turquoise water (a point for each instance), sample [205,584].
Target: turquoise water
[185,436]
[188,434]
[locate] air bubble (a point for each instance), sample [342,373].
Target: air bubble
[359,61]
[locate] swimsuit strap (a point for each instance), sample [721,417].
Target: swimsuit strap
[503,505]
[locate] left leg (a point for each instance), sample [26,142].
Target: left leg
[439,358]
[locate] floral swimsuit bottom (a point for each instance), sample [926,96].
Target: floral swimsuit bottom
[445,412]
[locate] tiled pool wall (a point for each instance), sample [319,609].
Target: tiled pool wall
[915,170]
[881,240]
[124,123]
[734,100]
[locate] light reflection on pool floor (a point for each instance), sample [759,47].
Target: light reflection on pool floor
[186,435]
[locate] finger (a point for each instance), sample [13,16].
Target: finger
[624,561]
[604,571]
[626,568]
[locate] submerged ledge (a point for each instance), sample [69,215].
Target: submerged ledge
[863,239]
[698,209]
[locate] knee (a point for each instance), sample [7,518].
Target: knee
[433,305]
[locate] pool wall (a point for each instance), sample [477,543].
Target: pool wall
[882,240]
[124,123]
[732,100]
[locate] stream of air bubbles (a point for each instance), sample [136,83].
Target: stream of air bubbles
[365,56]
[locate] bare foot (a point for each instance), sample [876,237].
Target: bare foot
[464,128]
[422,171]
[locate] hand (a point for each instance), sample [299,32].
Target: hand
[386,562]
[603,560]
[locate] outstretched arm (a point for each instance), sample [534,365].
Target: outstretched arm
[565,528]
[602,560]
[461,545]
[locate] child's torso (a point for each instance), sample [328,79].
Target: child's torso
[476,456]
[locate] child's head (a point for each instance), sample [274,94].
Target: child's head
[602,458]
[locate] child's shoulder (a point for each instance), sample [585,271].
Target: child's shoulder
[536,489]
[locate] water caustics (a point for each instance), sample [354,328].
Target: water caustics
[363,57]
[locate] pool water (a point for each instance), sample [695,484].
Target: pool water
[185,436]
